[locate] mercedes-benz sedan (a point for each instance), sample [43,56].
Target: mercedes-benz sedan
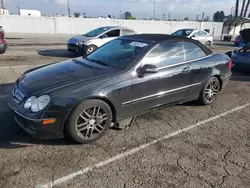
[122,79]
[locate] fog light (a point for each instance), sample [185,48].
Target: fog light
[48,121]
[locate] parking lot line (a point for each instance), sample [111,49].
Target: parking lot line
[135,150]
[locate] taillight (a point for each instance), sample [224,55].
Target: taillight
[230,65]
[1,36]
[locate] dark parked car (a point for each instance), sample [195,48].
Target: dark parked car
[126,77]
[241,56]
[3,44]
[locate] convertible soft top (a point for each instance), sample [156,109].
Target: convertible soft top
[160,38]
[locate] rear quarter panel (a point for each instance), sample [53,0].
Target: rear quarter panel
[204,69]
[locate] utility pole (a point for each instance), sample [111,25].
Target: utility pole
[169,14]
[202,19]
[2,6]
[68,9]
[154,10]
[197,18]
[163,17]
[18,8]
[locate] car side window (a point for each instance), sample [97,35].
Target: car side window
[165,54]
[127,32]
[196,34]
[202,33]
[113,33]
[193,51]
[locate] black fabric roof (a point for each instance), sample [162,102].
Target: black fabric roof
[156,37]
[160,38]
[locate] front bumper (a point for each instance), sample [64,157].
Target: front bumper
[73,47]
[36,129]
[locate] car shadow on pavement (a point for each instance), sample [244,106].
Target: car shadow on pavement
[57,53]
[224,44]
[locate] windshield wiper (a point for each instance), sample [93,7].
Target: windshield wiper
[98,62]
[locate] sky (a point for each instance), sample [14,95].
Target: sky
[140,9]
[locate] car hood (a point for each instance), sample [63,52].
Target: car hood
[61,74]
[79,38]
[245,35]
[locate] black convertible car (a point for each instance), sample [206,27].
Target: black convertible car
[124,78]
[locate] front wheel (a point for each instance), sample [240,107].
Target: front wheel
[89,121]
[209,91]
[89,49]
[208,44]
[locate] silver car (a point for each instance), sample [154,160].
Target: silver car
[92,40]
[200,35]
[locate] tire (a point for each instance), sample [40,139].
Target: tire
[89,49]
[84,126]
[208,44]
[209,92]
[3,48]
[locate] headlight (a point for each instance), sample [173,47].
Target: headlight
[37,104]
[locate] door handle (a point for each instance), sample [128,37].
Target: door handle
[186,69]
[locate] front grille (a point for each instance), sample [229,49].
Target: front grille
[17,95]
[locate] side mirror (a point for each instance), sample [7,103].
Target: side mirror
[103,36]
[146,69]
[149,68]
[193,36]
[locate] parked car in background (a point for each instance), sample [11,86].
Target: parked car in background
[242,39]
[3,43]
[89,42]
[237,40]
[200,35]
[241,56]
[128,76]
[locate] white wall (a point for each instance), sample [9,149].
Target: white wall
[64,25]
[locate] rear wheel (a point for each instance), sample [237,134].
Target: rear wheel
[3,48]
[89,121]
[210,91]
[208,44]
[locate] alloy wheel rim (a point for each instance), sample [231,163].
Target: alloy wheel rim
[90,49]
[91,122]
[212,90]
[208,44]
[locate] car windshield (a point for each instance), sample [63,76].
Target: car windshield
[96,32]
[119,53]
[183,32]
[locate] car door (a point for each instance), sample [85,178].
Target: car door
[197,60]
[168,81]
[203,37]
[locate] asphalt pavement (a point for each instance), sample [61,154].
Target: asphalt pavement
[182,146]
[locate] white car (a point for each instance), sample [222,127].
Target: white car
[200,35]
[92,40]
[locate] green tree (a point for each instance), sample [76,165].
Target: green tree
[219,16]
[77,14]
[127,15]
[186,19]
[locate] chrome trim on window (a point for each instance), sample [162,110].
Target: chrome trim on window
[184,62]
[161,93]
